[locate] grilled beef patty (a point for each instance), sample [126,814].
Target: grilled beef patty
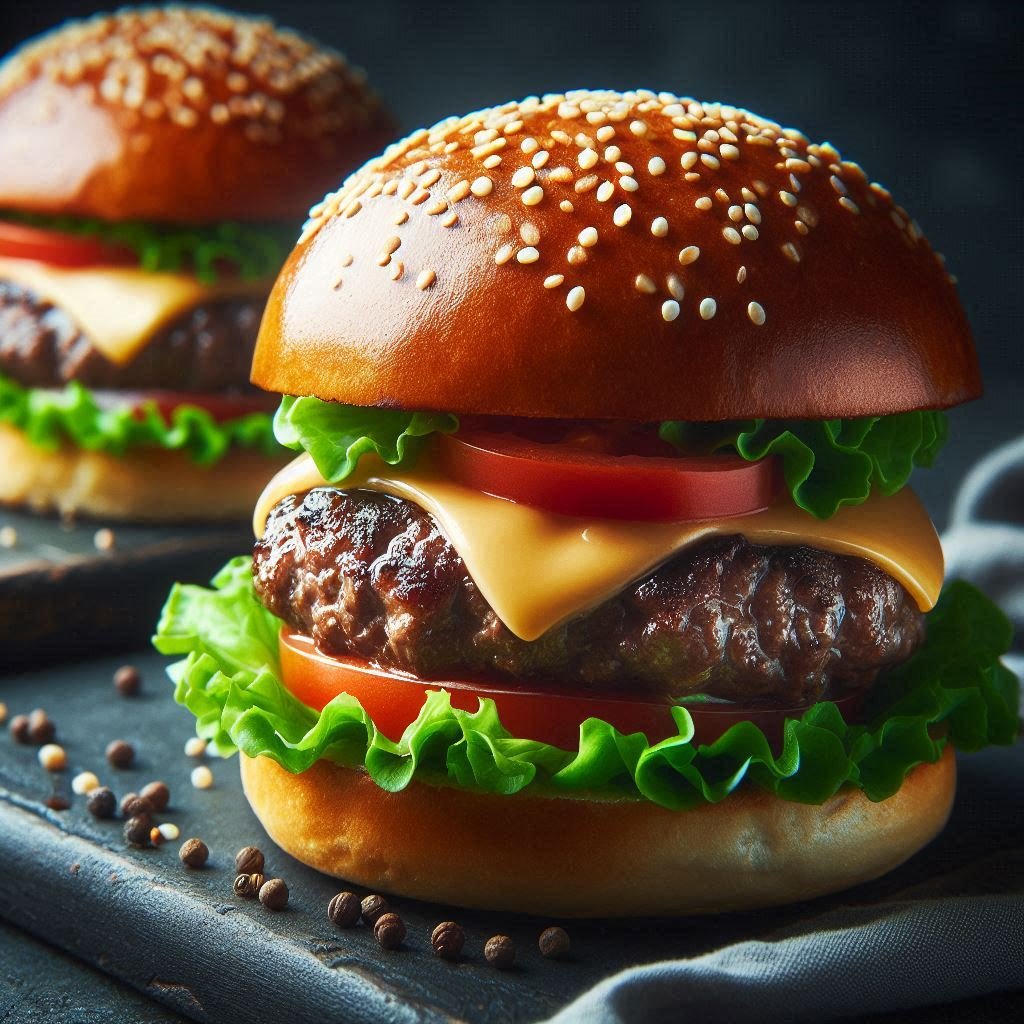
[371,575]
[207,349]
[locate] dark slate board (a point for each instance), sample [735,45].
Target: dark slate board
[60,597]
[185,940]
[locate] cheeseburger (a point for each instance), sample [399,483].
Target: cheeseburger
[599,588]
[155,166]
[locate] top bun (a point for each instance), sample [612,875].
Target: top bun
[633,256]
[179,115]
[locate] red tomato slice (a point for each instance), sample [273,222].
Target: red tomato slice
[221,407]
[393,699]
[577,480]
[60,249]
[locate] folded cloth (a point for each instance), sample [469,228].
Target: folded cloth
[934,945]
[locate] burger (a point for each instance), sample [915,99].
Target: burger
[155,167]
[598,588]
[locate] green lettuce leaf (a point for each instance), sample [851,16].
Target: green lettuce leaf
[337,436]
[72,415]
[826,463]
[953,690]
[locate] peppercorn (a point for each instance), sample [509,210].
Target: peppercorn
[500,952]
[102,803]
[372,907]
[447,940]
[389,931]
[133,804]
[53,757]
[40,728]
[248,885]
[137,829]
[120,753]
[274,894]
[344,910]
[58,802]
[202,777]
[19,729]
[157,793]
[194,853]
[249,860]
[553,943]
[127,680]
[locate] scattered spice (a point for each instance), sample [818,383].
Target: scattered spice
[373,907]
[58,802]
[194,853]
[132,805]
[52,757]
[248,885]
[19,729]
[202,777]
[195,746]
[274,894]
[127,681]
[447,940]
[120,753]
[3,712]
[553,943]
[84,783]
[344,910]
[8,537]
[389,931]
[137,830]
[249,860]
[500,952]
[170,831]
[156,837]
[102,803]
[157,793]
[104,539]
[40,727]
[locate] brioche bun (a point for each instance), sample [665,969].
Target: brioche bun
[591,858]
[144,485]
[211,116]
[630,256]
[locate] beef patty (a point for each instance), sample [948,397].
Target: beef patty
[208,348]
[373,576]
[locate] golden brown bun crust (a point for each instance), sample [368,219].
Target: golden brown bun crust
[150,486]
[213,116]
[463,306]
[580,858]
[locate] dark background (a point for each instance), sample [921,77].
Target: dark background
[926,96]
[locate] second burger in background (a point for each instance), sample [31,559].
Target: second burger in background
[155,165]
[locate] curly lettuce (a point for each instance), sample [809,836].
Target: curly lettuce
[72,415]
[953,690]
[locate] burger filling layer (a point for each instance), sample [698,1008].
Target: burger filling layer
[372,575]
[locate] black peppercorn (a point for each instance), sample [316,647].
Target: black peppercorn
[553,943]
[372,907]
[120,754]
[249,860]
[389,931]
[137,829]
[447,940]
[248,885]
[194,853]
[344,910]
[500,951]
[133,804]
[157,793]
[127,680]
[274,894]
[40,729]
[102,803]
[19,729]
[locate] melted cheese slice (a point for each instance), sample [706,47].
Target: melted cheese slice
[537,569]
[120,308]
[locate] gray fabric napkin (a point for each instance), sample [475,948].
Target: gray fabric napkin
[934,945]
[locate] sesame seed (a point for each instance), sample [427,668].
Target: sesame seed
[710,161]
[528,255]
[392,244]
[397,270]
[675,287]
[553,280]
[605,133]
[659,227]
[565,206]
[730,234]
[586,183]
[689,255]
[622,215]
[629,184]
[656,166]
[612,153]
[587,158]
[482,186]
[736,213]
[347,260]
[704,203]
[793,164]
[687,160]
[729,151]
[451,220]
[529,233]
[540,158]
[458,192]
[721,195]
[432,178]
[791,252]
[529,145]
[794,183]
[576,255]
[588,237]
[605,191]
[436,208]
[683,135]
[788,198]
[532,196]
[400,218]
[492,161]
[753,214]
[562,174]
[848,204]
[838,185]
[669,310]
[575,299]
[504,254]
[523,177]
[425,279]
[749,232]
[741,275]
[756,313]
[708,308]
[801,227]
[638,128]
[645,284]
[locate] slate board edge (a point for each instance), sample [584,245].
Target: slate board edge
[79,908]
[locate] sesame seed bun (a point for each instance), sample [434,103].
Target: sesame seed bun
[180,115]
[591,858]
[633,256]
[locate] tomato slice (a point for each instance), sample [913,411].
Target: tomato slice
[553,715]
[59,248]
[578,479]
[221,407]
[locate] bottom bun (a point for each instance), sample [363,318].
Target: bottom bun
[563,857]
[147,485]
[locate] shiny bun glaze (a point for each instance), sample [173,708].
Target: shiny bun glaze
[179,114]
[635,256]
